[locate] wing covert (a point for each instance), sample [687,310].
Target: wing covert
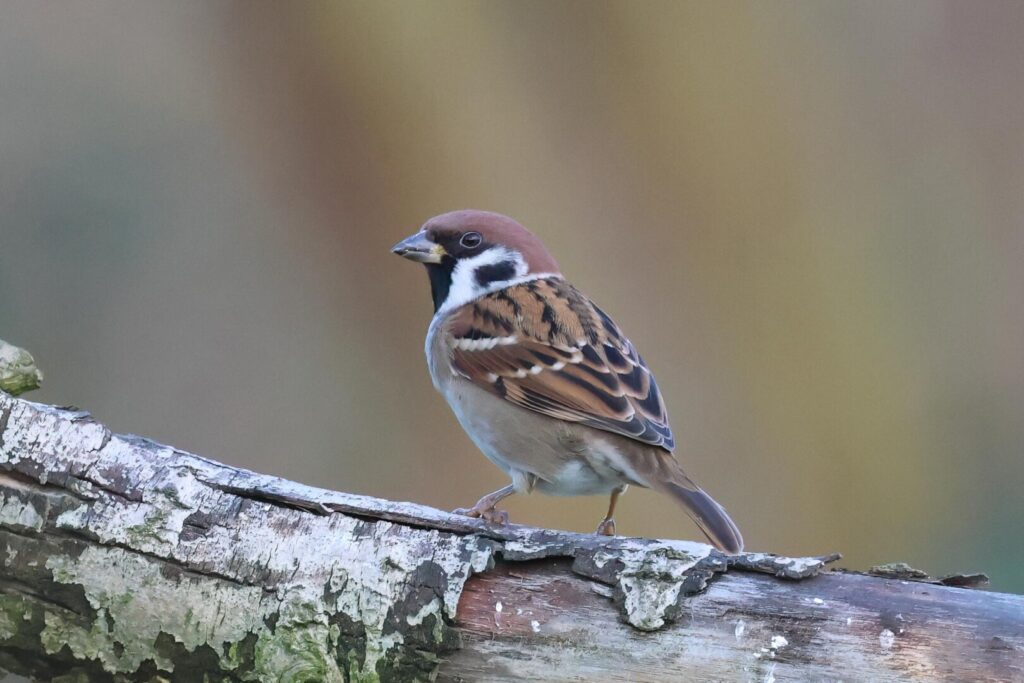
[544,346]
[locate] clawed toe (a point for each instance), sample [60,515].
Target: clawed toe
[493,516]
[606,527]
[489,515]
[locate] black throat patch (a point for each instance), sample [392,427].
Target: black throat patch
[440,275]
[495,272]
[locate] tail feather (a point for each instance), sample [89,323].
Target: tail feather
[711,517]
[668,476]
[659,470]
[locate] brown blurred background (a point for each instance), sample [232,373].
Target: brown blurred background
[808,216]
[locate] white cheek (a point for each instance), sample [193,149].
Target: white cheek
[464,287]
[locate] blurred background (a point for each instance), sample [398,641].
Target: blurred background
[808,216]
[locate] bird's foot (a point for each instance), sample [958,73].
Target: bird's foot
[606,527]
[491,515]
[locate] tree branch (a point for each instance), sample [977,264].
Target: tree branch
[127,560]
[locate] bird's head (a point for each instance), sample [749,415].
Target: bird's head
[471,253]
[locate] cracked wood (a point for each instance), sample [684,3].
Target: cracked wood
[128,560]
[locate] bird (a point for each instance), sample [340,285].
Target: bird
[542,380]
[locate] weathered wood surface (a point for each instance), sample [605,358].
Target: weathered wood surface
[126,560]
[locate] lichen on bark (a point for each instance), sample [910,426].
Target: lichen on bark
[159,555]
[18,371]
[128,560]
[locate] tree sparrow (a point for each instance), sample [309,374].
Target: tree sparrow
[542,380]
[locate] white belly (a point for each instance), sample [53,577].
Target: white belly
[557,456]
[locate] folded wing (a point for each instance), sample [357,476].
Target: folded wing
[544,346]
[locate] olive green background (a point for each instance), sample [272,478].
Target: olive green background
[807,215]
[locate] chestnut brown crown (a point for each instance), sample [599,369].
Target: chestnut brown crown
[455,233]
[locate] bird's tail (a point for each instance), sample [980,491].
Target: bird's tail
[711,517]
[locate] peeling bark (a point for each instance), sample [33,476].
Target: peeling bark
[127,560]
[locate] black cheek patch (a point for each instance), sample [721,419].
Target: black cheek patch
[496,272]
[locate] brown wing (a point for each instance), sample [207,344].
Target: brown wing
[544,346]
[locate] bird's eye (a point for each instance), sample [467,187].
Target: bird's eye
[471,240]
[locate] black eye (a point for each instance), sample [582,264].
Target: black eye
[471,240]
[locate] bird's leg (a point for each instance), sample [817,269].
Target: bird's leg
[484,508]
[607,525]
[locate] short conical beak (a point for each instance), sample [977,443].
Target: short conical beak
[418,248]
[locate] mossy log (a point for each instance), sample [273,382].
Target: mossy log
[127,560]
